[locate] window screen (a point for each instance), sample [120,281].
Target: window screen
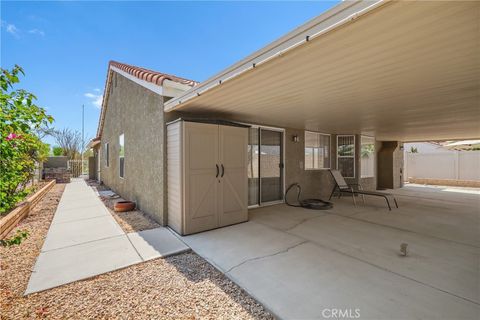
[367,157]
[346,155]
[107,154]
[121,142]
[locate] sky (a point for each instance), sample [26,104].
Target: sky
[64,47]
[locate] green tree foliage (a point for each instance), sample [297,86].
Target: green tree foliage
[20,147]
[367,150]
[57,151]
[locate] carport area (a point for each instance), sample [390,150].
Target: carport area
[391,71]
[303,263]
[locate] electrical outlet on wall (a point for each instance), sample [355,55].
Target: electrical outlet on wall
[301,164]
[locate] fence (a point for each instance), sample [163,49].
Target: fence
[77,167]
[454,165]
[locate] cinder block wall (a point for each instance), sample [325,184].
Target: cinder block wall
[56,162]
[138,114]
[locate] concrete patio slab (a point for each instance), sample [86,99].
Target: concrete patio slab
[437,218]
[456,268]
[281,217]
[308,281]
[156,243]
[348,258]
[57,267]
[231,246]
[71,233]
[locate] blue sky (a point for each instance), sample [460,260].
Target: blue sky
[64,47]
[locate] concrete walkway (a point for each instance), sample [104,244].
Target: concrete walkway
[84,240]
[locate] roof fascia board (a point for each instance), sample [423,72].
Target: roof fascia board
[337,16]
[148,85]
[174,89]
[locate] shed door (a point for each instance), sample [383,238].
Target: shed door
[233,175]
[201,184]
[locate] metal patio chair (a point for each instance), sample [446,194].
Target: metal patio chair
[343,187]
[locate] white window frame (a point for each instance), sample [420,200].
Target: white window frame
[119,156]
[329,150]
[354,153]
[106,150]
[374,156]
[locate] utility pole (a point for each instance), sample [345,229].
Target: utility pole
[83,134]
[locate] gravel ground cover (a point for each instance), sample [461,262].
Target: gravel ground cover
[179,287]
[131,221]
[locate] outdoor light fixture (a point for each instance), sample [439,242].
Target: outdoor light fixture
[295,138]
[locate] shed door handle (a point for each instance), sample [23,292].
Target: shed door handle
[223,170]
[216,176]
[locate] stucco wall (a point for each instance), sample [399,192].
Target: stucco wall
[314,183]
[138,114]
[390,165]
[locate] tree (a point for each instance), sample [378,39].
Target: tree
[57,151]
[20,147]
[70,141]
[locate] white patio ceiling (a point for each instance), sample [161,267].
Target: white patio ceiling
[403,71]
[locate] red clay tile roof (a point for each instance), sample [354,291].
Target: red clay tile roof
[150,75]
[140,73]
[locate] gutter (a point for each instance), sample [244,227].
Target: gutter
[304,33]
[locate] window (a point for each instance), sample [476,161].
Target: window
[107,154]
[121,142]
[367,157]
[346,155]
[317,151]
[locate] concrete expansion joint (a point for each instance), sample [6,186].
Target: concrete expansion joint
[268,256]
[405,230]
[303,221]
[373,265]
[78,219]
[82,243]
[133,246]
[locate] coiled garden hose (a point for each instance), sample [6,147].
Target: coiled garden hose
[314,204]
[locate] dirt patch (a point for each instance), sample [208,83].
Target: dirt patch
[131,221]
[178,287]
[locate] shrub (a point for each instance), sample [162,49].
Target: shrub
[57,151]
[19,236]
[20,147]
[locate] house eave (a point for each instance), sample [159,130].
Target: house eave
[334,18]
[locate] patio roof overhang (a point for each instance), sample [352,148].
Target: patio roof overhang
[407,71]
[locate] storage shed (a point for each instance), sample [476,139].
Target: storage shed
[207,179]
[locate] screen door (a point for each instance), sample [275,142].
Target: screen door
[265,166]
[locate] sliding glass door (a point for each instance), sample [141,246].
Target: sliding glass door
[265,167]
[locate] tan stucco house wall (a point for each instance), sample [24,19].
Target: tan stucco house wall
[137,113]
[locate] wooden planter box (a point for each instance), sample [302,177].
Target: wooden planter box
[12,219]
